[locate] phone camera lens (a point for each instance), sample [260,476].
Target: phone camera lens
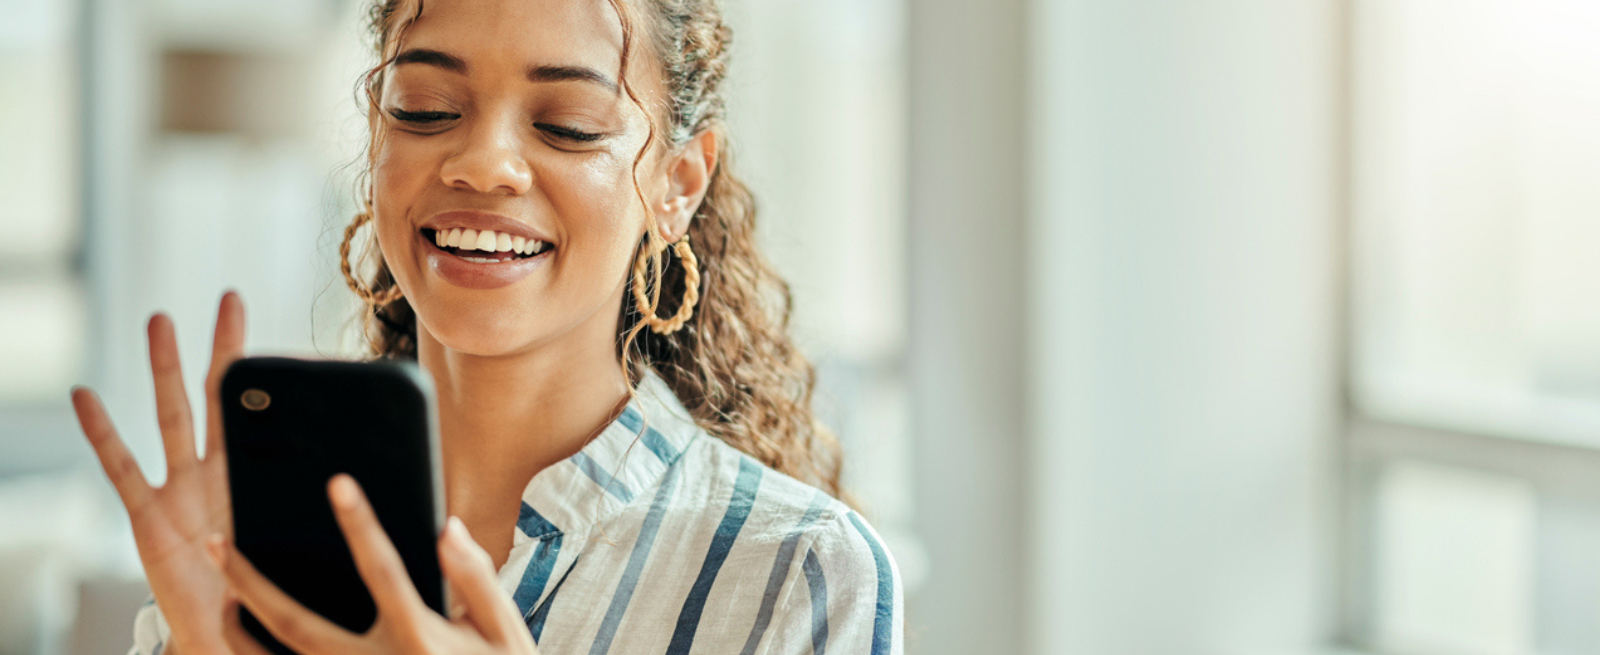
[255,400]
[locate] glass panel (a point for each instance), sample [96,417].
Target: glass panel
[1455,561]
[38,136]
[1477,250]
[41,339]
[42,319]
[817,110]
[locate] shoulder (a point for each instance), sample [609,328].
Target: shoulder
[853,549]
[832,543]
[720,483]
[837,583]
[768,503]
[710,477]
[831,569]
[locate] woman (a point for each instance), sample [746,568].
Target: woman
[631,462]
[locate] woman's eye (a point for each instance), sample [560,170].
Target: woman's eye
[425,118]
[568,133]
[422,117]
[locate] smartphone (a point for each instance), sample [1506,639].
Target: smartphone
[290,426]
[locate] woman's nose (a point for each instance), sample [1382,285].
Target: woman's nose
[490,162]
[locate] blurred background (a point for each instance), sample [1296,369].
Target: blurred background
[1226,326]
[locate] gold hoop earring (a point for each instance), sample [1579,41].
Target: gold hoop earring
[691,291]
[375,299]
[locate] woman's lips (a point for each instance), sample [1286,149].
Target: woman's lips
[479,275]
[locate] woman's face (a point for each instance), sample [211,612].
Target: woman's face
[504,119]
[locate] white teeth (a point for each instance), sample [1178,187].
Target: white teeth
[467,239]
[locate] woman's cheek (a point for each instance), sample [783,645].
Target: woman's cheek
[609,181]
[614,218]
[400,169]
[398,178]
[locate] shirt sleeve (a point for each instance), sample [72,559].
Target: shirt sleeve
[843,595]
[150,630]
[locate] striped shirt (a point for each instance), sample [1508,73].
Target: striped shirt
[659,538]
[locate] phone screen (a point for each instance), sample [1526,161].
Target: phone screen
[290,426]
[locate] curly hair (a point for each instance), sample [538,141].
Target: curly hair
[733,365]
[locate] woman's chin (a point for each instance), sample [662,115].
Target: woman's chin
[481,333]
[480,346]
[499,323]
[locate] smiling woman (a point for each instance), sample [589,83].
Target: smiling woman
[628,444]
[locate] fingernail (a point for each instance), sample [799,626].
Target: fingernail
[342,490]
[458,534]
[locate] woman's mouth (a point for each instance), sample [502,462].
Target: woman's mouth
[485,247]
[482,259]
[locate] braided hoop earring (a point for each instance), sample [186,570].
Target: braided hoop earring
[691,291]
[367,295]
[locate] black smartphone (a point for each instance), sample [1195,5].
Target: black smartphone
[290,426]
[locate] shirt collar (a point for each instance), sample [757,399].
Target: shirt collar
[626,459]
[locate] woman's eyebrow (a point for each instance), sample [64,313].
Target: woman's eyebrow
[443,60]
[550,73]
[544,73]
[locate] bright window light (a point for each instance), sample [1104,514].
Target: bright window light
[1477,216]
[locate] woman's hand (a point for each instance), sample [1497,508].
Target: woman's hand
[485,620]
[171,524]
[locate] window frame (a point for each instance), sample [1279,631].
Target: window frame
[43,436]
[1375,435]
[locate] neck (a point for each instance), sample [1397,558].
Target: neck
[502,419]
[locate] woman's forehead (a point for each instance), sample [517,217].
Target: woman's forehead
[521,32]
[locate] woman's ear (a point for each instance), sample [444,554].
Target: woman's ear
[688,177]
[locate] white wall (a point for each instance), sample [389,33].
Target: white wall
[1184,393]
[177,218]
[966,330]
[817,110]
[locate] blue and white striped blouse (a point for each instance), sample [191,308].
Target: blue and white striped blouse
[659,538]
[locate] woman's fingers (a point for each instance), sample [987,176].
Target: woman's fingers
[233,633]
[376,559]
[172,402]
[227,345]
[114,457]
[471,574]
[288,620]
